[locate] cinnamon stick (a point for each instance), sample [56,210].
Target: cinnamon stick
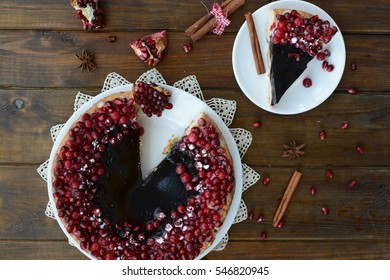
[200,22]
[287,197]
[209,25]
[257,56]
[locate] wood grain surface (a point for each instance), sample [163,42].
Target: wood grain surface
[39,78]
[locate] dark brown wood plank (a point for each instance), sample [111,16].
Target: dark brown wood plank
[253,250]
[23,200]
[174,15]
[26,131]
[303,250]
[39,250]
[361,213]
[52,61]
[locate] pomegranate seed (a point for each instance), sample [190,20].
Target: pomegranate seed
[187,48]
[185,177]
[180,169]
[325,210]
[280,224]
[307,82]
[257,124]
[327,52]
[313,190]
[251,215]
[112,39]
[325,65]
[260,219]
[330,68]
[352,184]
[352,91]
[329,173]
[263,235]
[321,56]
[322,134]
[344,125]
[266,180]
[353,66]
[359,149]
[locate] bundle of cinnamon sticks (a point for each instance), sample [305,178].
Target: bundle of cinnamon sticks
[206,23]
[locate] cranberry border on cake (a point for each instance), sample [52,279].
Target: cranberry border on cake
[129,95]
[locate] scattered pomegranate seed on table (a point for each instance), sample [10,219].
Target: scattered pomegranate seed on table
[266,180]
[344,125]
[313,190]
[325,210]
[322,134]
[307,82]
[329,173]
[112,39]
[280,224]
[351,91]
[353,66]
[251,215]
[260,219]
[359,149]
[263,235]
[352,184]
[187,48]
[257,124]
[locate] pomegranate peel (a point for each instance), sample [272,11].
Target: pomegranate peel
[150,48]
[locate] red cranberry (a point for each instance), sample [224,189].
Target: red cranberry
[307,82]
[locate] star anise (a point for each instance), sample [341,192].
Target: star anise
[293,151]
[86,61]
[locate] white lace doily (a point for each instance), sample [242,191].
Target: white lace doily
[223,107]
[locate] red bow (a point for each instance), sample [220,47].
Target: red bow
[222,20]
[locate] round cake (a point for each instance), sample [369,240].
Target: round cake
[112,211]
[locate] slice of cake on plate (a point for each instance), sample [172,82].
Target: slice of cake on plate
[295,38]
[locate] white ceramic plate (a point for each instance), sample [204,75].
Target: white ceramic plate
[297,99]
[158,131]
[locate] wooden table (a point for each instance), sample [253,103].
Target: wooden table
[39,79]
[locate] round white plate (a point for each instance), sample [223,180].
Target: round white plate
[297,98]
[158,132]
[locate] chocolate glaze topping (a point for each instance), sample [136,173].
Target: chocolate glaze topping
[125,197]
[285,68]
